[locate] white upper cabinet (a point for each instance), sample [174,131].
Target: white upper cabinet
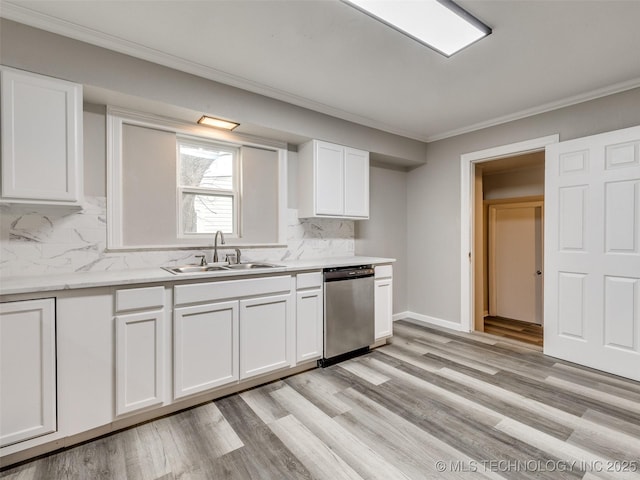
[41,139]
[356,183]
[329,179]
[333,181]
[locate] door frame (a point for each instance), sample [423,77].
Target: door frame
[491,244]
[468,163]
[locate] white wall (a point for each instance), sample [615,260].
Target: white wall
[433,196]
[385,233]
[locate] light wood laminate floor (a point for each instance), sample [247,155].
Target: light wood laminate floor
[514,329]
[432,404]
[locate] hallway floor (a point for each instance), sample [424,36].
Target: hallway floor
[514,329]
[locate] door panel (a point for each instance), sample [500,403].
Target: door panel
[27,370]
[205,347]
[516,259]
[620,312]
[309,318]
[139,358]
[265,334]
[356,183]
[329,165]
[592,264]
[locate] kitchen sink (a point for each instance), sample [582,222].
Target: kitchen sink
[195,269]
[217,268]
[248,266]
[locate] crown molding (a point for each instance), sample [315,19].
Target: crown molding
[547,107]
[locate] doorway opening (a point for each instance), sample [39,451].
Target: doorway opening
[509,247]
[503,188]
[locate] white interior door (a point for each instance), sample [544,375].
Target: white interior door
[516,261]
[592,252]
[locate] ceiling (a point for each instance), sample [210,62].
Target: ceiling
[329,57]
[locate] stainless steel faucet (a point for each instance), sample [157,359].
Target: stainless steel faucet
[215,245]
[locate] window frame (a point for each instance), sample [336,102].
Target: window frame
[117,117]
[235,192]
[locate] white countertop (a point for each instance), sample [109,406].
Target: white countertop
[77,280]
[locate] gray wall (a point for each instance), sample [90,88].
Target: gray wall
[385,233]
[95,150]
[433,195]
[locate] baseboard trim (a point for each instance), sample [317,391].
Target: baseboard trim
[401,315]
[426,320]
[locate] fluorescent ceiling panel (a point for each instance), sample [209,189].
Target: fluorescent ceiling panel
[439,24]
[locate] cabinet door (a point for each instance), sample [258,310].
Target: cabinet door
[356,183]
[309,318]
[205,347]
[265,334]
[329,179]
[139,360]
[27,370]
[41,138]
[383,308]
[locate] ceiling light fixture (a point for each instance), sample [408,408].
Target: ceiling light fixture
[217,123]
[439,24]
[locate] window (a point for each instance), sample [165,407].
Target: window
[208,188]
[173,185]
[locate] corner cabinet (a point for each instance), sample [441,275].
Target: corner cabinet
[383,298]
[333,181]
[41,128]
[27,370]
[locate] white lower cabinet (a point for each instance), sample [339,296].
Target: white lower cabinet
[231,330]
[265,334]
[91,359]
[140,351]
[139,361]
[27,370]
[309,316]
[205,339]
[383,285]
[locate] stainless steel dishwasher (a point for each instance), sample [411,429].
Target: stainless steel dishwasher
[348,312]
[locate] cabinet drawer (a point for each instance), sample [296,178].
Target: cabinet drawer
[210,291]
[384,271]
[139,298]
[309,280]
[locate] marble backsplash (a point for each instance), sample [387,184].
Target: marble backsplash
[42,240]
